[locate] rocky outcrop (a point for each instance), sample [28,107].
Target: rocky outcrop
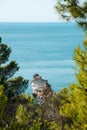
[41,89]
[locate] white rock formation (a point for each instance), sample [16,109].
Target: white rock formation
[40,88]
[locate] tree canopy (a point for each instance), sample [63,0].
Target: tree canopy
[73,9]
[13,86]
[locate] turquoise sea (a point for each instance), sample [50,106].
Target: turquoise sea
[44,48]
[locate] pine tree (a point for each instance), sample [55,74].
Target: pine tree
[73,9]
[80,57]
[13,86]
[74,99]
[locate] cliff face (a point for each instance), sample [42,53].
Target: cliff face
[41,89]
[38,85]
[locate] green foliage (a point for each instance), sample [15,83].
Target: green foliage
[75,9]
[80,57]
[3,101]
[36,125]
[74,106]
[4,53]
[12,86]
[22,115]
[54,126]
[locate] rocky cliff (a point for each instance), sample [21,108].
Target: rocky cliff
[41,89]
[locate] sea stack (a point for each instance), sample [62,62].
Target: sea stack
[41,88]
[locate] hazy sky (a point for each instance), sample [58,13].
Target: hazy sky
[28,11]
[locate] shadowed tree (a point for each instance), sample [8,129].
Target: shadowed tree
[12,86]
[3,101]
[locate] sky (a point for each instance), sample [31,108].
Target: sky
[28,11]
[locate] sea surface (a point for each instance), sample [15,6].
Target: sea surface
[43,48]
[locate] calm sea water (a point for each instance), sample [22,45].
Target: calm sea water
[44,48]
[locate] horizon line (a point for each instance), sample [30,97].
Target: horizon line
[36,22]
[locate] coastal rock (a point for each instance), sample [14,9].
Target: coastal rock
[41,89]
